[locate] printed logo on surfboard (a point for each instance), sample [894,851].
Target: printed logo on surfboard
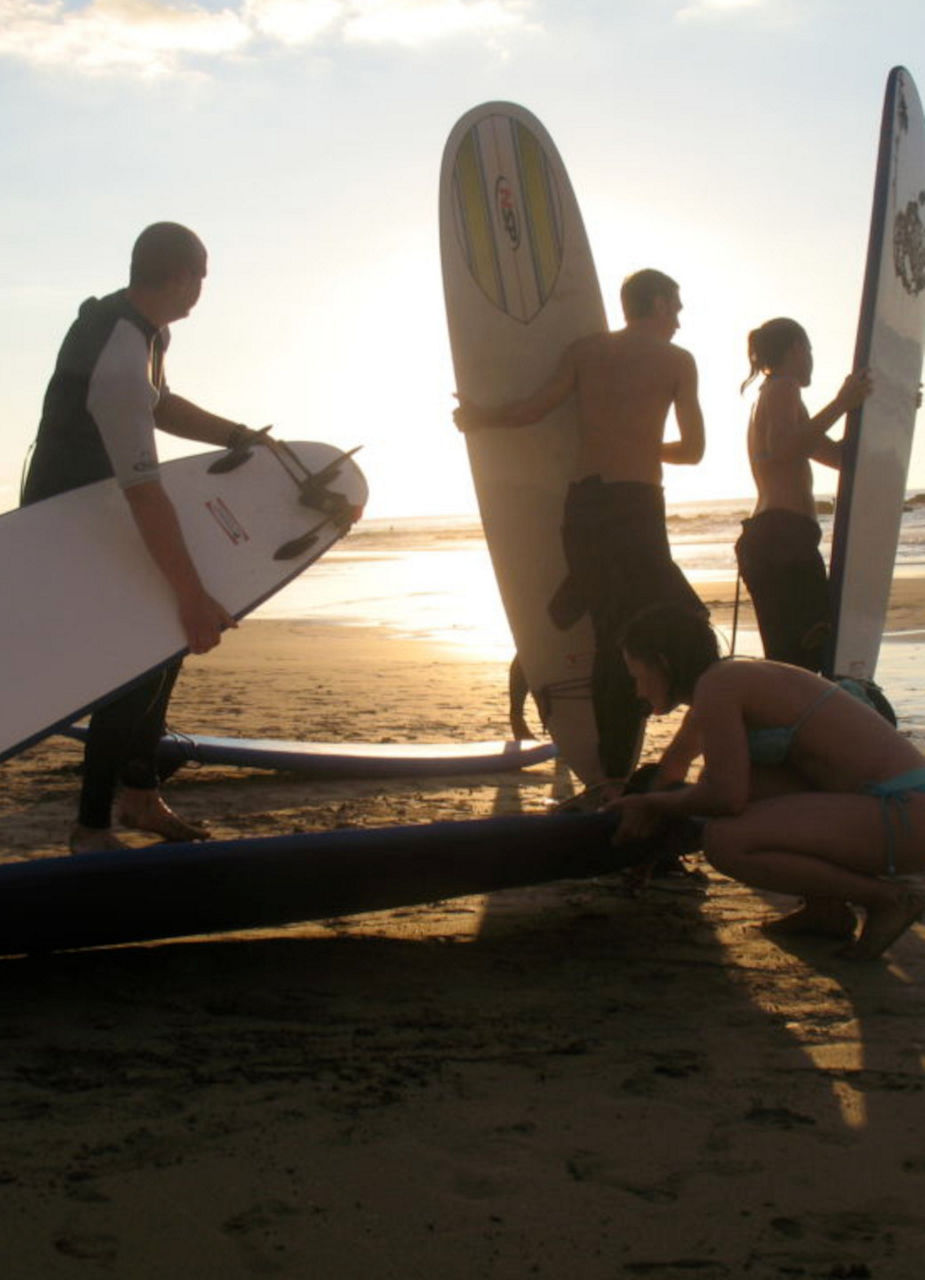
[508,215]
[909,246]
[227,521]
[908,229]
[506,210]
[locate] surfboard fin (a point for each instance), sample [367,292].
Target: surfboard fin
[314,492]
[230,461]
[313,486]
[296,547]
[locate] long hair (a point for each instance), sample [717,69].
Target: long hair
[769,344]
[680,640]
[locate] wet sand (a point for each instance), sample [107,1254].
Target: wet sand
[564,1081]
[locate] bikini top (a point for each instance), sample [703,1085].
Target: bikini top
[773,745]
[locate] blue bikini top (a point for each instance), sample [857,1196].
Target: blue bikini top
[773,746]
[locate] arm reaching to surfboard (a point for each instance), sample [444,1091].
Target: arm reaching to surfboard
[854,391]
[797,434]
[521,413]
[180,417]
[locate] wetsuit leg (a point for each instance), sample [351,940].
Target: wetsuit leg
[616,546]
[122,745]
[779,560]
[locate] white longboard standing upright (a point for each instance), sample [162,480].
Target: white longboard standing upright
[86,612]
[520,286]
[878,436]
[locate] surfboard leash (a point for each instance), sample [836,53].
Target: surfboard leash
[735,615]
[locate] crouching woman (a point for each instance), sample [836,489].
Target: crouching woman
[806,789]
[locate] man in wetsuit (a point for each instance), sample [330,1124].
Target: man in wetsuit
[104,400]
[615,540]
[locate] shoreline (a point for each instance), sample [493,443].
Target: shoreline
[906,607]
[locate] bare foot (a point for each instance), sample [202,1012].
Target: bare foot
[93,840]
[885,924]
[819,917]
[143,810]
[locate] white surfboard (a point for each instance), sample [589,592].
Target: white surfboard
[878,437]
[86,612]
[347,759]
[520,285]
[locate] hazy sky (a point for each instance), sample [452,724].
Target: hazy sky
[731,143]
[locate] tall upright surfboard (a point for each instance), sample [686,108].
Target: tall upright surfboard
[878,436]
[520,285]
[86,612]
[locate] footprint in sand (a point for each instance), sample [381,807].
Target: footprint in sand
[87,1247]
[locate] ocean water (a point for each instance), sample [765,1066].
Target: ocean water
[431,577]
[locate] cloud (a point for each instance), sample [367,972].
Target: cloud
[415,22]
[154,37]
[144,36]
[717,8]
[292,22]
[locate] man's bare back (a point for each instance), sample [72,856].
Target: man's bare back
[626,383]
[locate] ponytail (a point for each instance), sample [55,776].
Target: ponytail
[769,344]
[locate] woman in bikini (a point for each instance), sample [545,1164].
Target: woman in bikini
[778,551]
[805,787]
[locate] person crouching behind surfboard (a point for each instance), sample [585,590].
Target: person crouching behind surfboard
[614,532]
[778,550]
[806,788]
[105,399]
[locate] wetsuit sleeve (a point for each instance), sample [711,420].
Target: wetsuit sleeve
[121,400]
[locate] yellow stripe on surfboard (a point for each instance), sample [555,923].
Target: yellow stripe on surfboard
[539,210]
[476,219]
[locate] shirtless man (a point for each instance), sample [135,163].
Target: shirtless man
[105,398]
[614,536]
[778,550]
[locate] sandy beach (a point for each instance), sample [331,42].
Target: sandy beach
[564,1081]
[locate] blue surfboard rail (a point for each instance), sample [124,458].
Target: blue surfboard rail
[182,890]
[347,760]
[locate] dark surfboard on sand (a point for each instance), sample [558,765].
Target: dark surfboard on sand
[182,890]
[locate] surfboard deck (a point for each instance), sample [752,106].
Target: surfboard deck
[878,436]
[520,285]
[173,891]
[86,612]
[348,759]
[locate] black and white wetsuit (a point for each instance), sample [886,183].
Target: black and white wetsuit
[97,422]
[98,414]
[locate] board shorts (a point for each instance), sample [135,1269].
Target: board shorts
[619,560]
[779,560]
